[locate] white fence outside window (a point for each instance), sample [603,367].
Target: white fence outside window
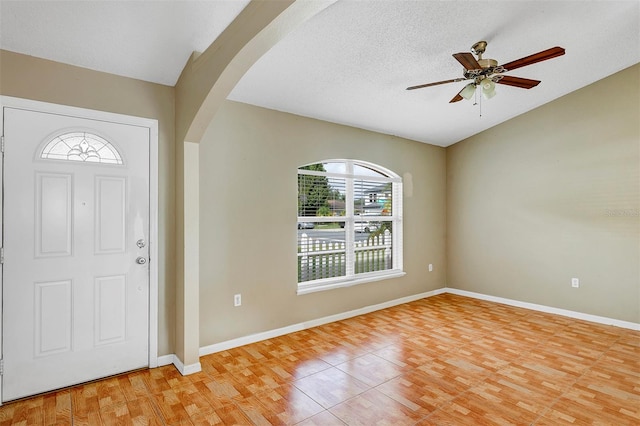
[318,258]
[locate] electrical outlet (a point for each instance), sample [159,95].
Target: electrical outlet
[430,267]
[237,300]
[575,282]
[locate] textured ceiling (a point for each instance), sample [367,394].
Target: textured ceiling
[351,63]
[148,40]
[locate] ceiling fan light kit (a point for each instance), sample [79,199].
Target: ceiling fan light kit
[488,88]
[486,72]
[468,91]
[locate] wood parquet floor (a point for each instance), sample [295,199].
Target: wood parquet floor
[444,360]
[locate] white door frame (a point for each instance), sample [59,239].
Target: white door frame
[152,125]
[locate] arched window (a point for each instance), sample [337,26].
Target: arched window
[81,146]
[349,224]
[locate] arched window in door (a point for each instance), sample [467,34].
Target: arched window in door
[81,146]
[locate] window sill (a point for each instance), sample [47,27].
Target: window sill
[360,279]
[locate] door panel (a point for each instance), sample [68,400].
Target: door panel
[52,317]
[53,214]
[76,303]
[110,309]
[110,214]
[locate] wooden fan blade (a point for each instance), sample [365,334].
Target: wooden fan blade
[435,84]
[456,98]
[467,60]
[523,83]
[536,57]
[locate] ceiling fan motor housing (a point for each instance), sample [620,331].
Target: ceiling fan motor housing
[488,63]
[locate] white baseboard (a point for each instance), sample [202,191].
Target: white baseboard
[183,369]
[245,340]
[186,369]
[165,360]
[547,309]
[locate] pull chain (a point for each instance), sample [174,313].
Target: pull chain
[477,101]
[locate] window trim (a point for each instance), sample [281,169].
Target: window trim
[351,278]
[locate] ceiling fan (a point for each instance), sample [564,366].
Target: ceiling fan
[486,72]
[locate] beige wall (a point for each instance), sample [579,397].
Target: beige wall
[526,205]
[38,79]
[551,195]
[248,192]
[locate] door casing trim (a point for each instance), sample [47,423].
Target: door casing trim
[152,125]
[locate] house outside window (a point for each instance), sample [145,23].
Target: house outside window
[349,224]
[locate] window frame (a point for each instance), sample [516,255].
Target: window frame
[350,219]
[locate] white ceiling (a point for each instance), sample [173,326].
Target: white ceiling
[351,63]
[148,40]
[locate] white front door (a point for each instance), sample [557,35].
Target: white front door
[76,230]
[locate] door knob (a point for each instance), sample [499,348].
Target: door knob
[141,260]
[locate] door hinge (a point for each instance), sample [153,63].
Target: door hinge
[2,144]
[1,255]
[1,367]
